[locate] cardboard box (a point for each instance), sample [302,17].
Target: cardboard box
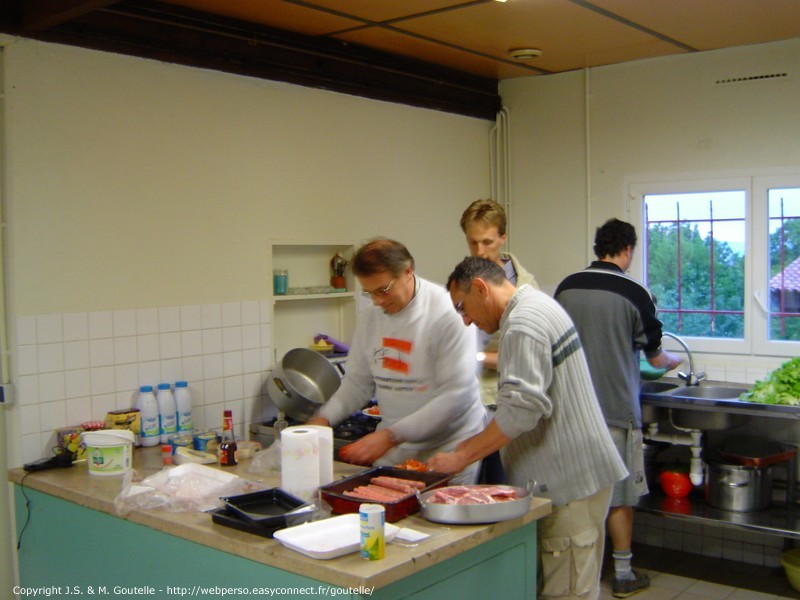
[124,419]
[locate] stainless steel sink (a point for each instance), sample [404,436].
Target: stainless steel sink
[705,420]
[710,392]
[656,387]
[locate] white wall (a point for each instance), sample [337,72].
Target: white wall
[577,138]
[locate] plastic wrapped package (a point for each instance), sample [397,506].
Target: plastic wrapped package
[186,488]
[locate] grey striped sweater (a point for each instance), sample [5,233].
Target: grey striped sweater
[547,404]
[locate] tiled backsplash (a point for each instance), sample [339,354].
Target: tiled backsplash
[75,367]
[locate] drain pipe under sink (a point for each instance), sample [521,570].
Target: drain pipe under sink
[691,438]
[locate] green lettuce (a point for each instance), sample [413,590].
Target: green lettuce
[782,386]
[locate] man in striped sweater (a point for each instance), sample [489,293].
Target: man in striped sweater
[548,424]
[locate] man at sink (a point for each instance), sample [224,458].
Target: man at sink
[616,319]
[411,351]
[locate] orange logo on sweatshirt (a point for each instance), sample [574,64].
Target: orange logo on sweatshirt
[396,363]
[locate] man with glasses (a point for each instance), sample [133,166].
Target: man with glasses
[411,352]
[548,423]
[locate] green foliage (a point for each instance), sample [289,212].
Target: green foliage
[782,386]
[680,277]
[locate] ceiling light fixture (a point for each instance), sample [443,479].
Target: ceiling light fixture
[524,53]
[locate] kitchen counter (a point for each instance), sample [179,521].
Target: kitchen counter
[70,511]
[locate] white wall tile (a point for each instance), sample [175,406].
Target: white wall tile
[212,340]
[50,357]
[126,399]
[233,388]
[49,329]
[169,319]
[102,380]
[28,389]
[53,415]
[192,368]
[76,326]
[26,330]
[251,361]
[124,323]
[265,311]
[29,419]
[251,337]
[102,404]
[27,361]
[253,385]
[101,352]
[147,347]
[214,393]
[101,325]
[126,377]
[169,345]
[77,383]
[149,372]
[191,343]
[191,317]
[79,410]
[76,355]
[212,366]
[125,350]
[146,321]
[51,387]
[231,339]
[212,316]
[251,314]
[231,314]
[172,370]
[232,364]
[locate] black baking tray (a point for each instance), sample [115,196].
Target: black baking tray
[228,518]
[269,508]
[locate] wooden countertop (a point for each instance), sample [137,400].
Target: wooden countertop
[95,492]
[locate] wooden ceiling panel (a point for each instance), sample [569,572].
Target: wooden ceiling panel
[421,49]
[569,36]
[713,24]
[384,10]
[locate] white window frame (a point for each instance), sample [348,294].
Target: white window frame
[760,284]
[636,193]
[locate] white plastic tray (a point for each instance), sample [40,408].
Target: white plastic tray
[328,538]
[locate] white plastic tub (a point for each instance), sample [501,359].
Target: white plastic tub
[109,451]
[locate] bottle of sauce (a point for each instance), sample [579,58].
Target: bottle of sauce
[227,447]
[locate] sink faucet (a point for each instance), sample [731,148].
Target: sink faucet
[691,378]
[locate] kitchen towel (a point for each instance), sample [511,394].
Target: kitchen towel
[300,461]
[325,452]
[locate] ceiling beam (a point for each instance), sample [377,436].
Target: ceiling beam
[174,34]
[38,15]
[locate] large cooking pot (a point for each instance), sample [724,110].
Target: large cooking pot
[302,382]
[735,487]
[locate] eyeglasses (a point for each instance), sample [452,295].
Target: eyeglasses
[460,307]
[381,292]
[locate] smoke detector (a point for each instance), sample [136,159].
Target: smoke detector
[524,53]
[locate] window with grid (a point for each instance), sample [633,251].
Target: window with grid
[695,257]
[784,263]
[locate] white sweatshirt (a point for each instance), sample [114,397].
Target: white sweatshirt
[420,365]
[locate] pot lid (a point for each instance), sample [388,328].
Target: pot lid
[754,451]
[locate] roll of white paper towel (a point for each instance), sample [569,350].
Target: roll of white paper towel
[325,453]
[300,461]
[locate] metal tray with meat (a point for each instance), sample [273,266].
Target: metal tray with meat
[396,489]
[474,504]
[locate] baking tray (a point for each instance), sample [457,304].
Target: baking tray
[270,508]
[329,538]
[333,493]
[755,452]
[471,514]
[227,518]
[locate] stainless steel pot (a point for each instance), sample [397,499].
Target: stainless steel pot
[302,382]
[736,487]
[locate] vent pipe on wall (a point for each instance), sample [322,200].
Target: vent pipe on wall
[500,166]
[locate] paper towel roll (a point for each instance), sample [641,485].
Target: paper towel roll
[325,452]
[300,461]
